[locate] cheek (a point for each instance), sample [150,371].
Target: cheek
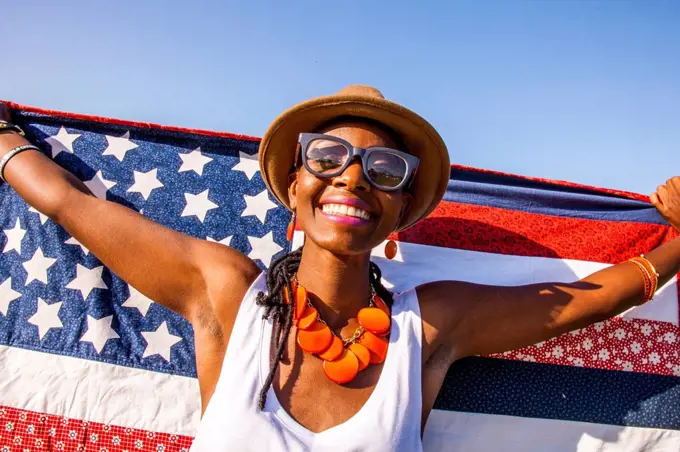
[308,187]
[392,204]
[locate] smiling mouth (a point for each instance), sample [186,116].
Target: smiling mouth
[346,211]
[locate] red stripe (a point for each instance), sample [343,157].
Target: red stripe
[122,122]
[634,345]
[29,430]
[503,231]
[559,183]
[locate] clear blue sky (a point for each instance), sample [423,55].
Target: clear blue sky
[587,91]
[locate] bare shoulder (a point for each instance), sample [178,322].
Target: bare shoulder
[443,308]
[442,302]
[227,274]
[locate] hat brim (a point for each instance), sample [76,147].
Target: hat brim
[277,148]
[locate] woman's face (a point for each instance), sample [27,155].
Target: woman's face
[332,211]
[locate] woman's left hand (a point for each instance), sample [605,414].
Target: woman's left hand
[666,199]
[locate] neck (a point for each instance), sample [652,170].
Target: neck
[339,285]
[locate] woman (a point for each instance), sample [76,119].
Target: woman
[316,353]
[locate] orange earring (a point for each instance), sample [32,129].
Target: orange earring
[291,228]
[391,249]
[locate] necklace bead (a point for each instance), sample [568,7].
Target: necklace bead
[300,301]
[309,316]
[334,351]
[315,339]
[380,304]
[342,359]
[376,345]
[362,353]
[343,369]
[373,320]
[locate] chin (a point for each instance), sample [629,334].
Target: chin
[342,242]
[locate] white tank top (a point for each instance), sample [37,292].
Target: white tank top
[388,421]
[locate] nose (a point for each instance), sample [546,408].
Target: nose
[353,178]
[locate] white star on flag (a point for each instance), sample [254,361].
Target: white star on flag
[138,300]
[62,141]
[258,205]
[37,266]
[87,280]
[119,146]
[159,342]
[98,332]
[194,161]
[263,248]
[145,183]
[43,217]
[14,238]
[46,317]
[225,241]
[7,295]
[248,164]
[98,185]
[73,241]
[198,205]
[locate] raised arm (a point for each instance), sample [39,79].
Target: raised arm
[175,270]
[475,319]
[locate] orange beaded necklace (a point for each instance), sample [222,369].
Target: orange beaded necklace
[342,359]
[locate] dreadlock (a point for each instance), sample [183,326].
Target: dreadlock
[279,277]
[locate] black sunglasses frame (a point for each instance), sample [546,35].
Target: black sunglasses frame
[411,161]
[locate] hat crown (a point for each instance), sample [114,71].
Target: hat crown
[361,90]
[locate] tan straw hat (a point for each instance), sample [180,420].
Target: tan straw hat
[277,149]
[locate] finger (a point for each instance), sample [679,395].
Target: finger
[674,184]
[654,199]
[662,193]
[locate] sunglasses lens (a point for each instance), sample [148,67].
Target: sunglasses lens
[386,169]
[325,156]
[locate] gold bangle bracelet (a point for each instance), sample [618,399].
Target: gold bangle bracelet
[651,269]
[647,280]
[649,264]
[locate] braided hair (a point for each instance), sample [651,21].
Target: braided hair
[279,277]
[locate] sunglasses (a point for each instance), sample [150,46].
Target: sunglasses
[328,156]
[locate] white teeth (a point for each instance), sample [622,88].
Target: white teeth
[341,209]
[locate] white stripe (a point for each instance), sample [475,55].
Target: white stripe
[98,392]
[417,264]
[453,431]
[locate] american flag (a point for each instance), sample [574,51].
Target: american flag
[88,363]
